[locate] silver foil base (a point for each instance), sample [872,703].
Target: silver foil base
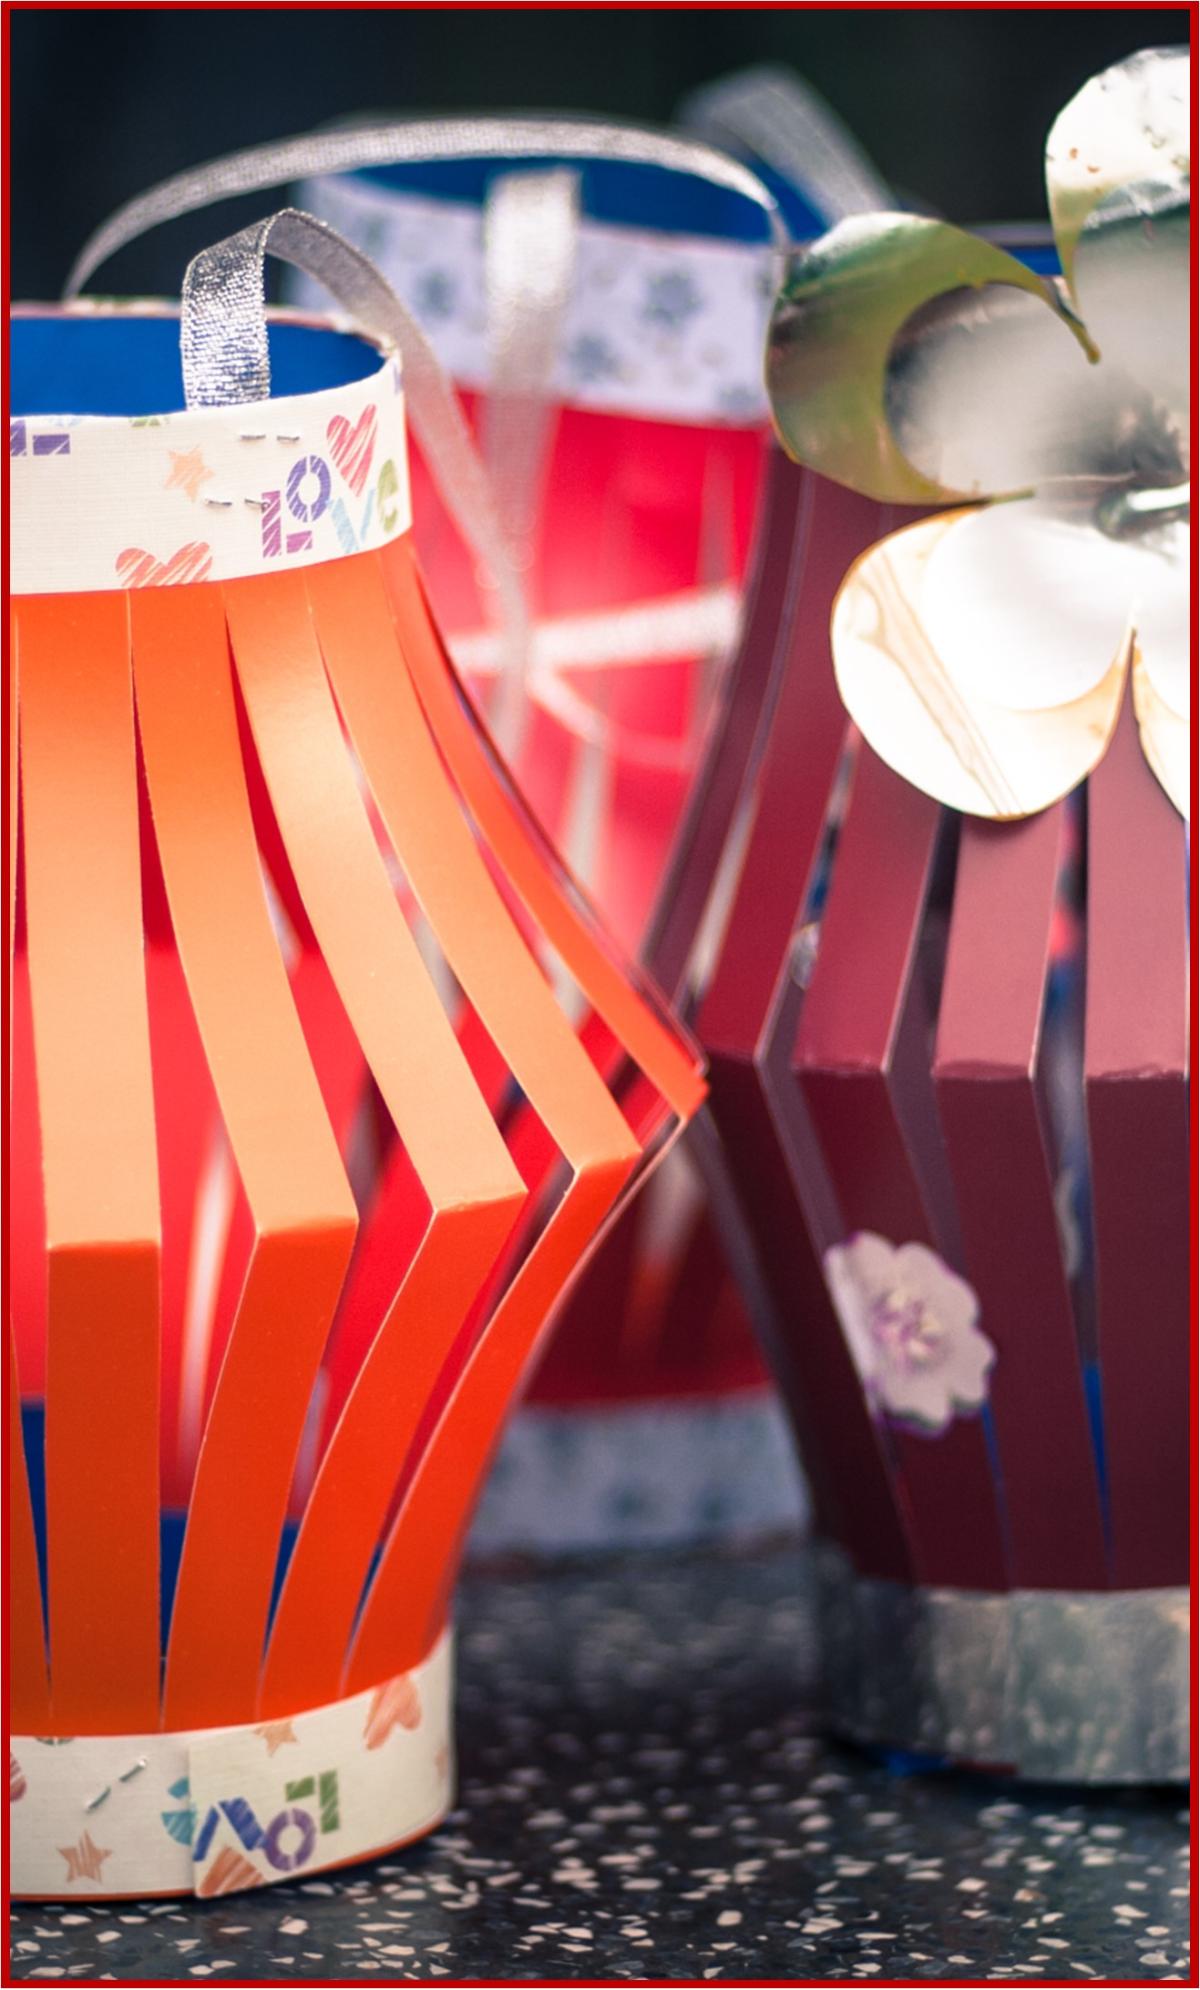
[1048,1685]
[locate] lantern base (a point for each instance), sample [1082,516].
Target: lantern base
[1048,1685]
[217,1810]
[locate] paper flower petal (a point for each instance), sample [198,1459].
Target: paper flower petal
[843,305]
[988,391]
[1165,736]
[927,721]
[1162,615]
[1118,173]
[928,1277]
[1027,604]
[855,1270]
[1123,139]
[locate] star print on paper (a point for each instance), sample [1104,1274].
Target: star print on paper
[85,1859]
[275,1733]
[396,1703]
[188,471]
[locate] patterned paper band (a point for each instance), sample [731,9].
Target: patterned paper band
[221,1809]
[572,1479]
[1054,1685]
[664,327]
[113,501]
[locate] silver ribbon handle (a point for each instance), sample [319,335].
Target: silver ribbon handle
[415,141]
[530,237]
[226,360]
[223,329]
[773,112]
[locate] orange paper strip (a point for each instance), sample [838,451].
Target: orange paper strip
[460,1158]
[92,1049]
[380,976]
[409,1598]
[303,1212]
[529,863]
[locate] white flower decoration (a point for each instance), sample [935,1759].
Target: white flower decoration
[911,1325]
[985,653]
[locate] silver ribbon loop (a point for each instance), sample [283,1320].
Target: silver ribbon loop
[775,114]
[223,337]
[415,141]
[530,237]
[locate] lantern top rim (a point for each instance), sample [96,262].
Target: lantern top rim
[52,368]
[116,484]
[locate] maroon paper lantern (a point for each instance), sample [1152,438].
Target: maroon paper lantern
[928,1034]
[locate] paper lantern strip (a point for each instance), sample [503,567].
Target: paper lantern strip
[636,511]
[957,1051]
[303,1160]
[604,759]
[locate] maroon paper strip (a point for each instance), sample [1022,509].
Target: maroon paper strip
[988,1095]
[738,730]
[747,1024]
[851,1024]
[1135,1063]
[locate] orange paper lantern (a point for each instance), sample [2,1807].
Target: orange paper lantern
[306,1147]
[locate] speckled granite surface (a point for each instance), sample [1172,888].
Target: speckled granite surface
[646,1795]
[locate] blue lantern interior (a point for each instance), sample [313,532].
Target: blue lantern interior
[172,1524]
[1041,257]
[633,195]
[126,365]
[620,192]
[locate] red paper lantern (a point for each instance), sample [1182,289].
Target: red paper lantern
[612,376]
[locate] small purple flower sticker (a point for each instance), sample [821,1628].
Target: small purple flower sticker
[911,1325]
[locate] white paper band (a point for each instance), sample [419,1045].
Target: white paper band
[221,1809]
[590,1478]
[664,327]
[208,493]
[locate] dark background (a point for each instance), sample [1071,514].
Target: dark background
[953,103]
